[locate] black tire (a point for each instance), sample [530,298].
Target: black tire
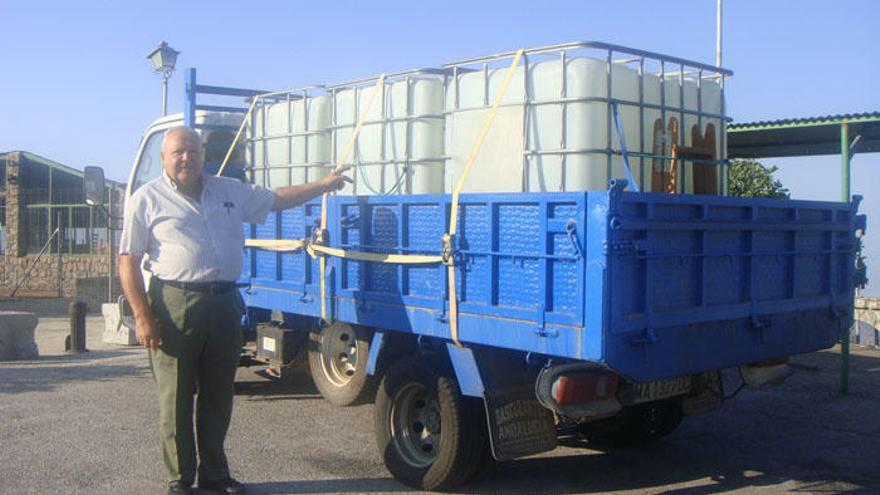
[639,425]
[338,363]
[429,435]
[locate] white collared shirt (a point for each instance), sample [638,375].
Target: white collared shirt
[192,241]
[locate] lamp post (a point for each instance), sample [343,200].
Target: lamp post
[718,26]
[163,59]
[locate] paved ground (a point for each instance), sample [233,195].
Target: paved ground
[78,424]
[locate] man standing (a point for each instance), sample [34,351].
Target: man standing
[188,227]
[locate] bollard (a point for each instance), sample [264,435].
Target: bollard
[76,341]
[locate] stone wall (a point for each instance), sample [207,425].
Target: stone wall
[43,278]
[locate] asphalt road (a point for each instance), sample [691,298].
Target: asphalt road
[86,424]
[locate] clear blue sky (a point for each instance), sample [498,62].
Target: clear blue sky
[76,86]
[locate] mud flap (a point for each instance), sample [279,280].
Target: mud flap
[705,395]
[518,424]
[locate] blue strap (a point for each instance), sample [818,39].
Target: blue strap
[629,174]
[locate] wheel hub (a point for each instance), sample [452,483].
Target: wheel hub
[339,356]
[415,421]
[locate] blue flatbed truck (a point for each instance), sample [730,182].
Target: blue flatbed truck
[609,313]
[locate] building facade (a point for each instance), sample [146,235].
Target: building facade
[51,241]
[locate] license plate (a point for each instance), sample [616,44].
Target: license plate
[268,344]
[662,389]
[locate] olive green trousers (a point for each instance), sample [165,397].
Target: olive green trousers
[199,350]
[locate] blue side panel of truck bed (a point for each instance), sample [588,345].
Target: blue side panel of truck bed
[653,285]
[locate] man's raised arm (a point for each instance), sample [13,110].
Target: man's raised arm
[290,196]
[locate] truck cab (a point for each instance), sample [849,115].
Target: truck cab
[217,130]
[217,124]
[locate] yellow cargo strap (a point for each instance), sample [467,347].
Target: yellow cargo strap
[317,250]
[453,217]
[360,123]
[340,164]
[244,122]
[280,245]
[401,259]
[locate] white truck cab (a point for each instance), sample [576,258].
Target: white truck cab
[217,130]
[216,124]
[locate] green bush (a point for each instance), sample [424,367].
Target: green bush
[748,178]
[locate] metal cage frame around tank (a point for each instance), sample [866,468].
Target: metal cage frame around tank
[331,92]
[685,67]
[288,96]
[358,86]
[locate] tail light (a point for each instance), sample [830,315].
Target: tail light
[584,387]
[579,390]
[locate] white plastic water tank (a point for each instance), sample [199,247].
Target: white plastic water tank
[498,167]
[400,146]
[564,139]
[563,154]
[291,141]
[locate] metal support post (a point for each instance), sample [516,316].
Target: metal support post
[50,202]
[718,27]
[189,101]
[110,250]
[58,251]
[845,197]
[165,77]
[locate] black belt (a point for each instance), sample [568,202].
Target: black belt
[206,287]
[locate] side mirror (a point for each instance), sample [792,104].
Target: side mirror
[93,186]
[126,315]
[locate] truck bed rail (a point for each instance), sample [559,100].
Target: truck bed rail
[653,285]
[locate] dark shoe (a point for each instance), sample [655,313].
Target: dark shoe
[228,486]
[179,488]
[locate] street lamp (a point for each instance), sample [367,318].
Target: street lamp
[163,59]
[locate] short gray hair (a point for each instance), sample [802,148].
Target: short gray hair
[182,129]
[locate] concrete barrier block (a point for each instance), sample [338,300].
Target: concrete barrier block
[17,335]
[865,334]
[114,331]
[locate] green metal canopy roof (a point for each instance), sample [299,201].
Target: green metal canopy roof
[34,159]
[803,137]
[40,160]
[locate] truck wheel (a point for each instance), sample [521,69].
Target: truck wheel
[640,424]
[429,435]
[338,362]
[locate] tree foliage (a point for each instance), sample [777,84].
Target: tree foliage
[748,178]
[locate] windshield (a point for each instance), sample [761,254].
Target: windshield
[217,143]
[149,166]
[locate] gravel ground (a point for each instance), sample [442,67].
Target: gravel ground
[86,424]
